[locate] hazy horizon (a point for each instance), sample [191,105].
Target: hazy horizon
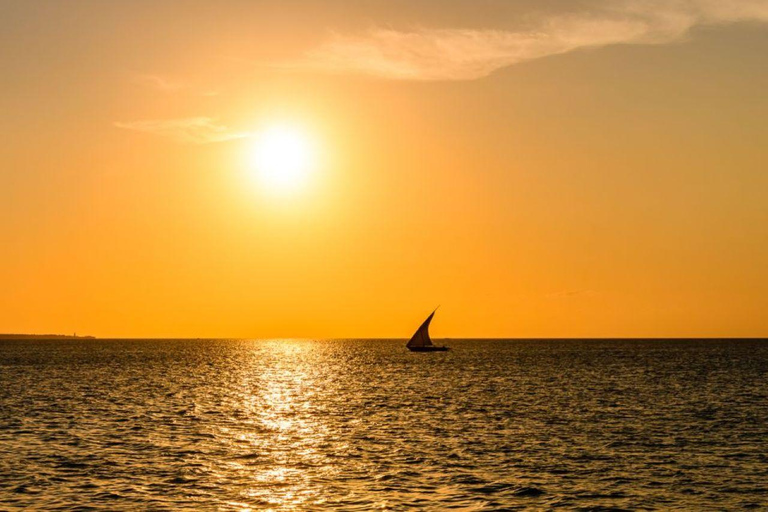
[37,336]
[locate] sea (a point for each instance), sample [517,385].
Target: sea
[589,425]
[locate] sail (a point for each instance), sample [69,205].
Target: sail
[421,337]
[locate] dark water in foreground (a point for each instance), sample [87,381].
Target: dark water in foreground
[358,425]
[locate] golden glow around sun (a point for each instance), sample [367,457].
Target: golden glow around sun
[283,158]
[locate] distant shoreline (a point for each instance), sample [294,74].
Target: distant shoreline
[44,337]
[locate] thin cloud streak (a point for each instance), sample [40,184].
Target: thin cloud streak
[167,85]
[190,130]
[469,54]
[160,83]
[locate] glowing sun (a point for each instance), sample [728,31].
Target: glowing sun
[283,158]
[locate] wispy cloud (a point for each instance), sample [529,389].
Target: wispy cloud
[190,130]
[170,85]
[158,82]
[467,54]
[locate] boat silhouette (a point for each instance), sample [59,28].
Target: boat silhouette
[421,342]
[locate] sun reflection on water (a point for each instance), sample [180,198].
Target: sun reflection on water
[281,441]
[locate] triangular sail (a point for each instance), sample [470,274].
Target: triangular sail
[421,337]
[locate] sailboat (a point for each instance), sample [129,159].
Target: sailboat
[421,342]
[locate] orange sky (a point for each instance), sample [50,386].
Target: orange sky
[537,168]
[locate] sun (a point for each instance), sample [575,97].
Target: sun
[283,158]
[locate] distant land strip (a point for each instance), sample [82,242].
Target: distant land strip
[45,337]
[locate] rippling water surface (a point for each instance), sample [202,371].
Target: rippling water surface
[363,424]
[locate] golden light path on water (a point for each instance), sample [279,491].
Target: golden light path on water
[279,400]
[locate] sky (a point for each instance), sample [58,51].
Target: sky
[537,168]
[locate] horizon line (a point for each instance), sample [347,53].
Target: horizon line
[368,338]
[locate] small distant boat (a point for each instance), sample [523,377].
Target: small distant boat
[421,342]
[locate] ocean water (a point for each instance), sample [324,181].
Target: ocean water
[365,424]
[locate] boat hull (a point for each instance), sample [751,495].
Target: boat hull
[428,349]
